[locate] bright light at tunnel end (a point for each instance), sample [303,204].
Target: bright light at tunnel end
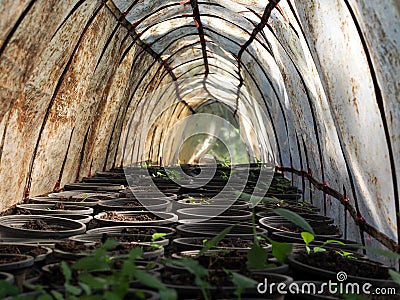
[177,132]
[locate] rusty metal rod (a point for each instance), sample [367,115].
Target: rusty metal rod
[359,220]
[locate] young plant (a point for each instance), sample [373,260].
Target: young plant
[241,283]
[156,236]
[200,273]
[224,175]
[215,240]
[99,278]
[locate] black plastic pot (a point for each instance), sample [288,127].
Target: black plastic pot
[149,252]
[291,237]
[12,226]
[105,180]
[311,218]
[161,218]
[308,271]
[141,239]
[18,266]
[326,230]
[7,277]
[149,230]
[39,253]
[192,203]
[235,257]
[81,199]
[213,229]
[107,187]
[197,243]
[304,290]
[80,218]
[127,193]
[21,262]
[51,209]
[156,204]
[206,213]
[298,208]
[191,291]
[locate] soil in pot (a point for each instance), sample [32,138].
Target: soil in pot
[39,227]
[38,252]
[214,228]
[216,213]
[148,230]
[150,204]
[290,237]
[197,243]
[319,229]
[121,238]
[73,250]
[335,262]
[232,260]
[56,208]
[114,216]
[221,285]
[132,218]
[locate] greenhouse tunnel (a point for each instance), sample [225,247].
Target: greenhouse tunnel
[84,82]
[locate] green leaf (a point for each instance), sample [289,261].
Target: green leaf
[45,297]
[90,263]
[256,257]
[307,237]
[140,294]
[72,289]
[149,280]
[242,283]
[333,242]
[294,218]
[281,251]
[255,200]
[57,295]
[136,253]
[7,289]
[86,288]
[215,240]
[319,249]
[395,276]
[193,266]
[92,281]
[157,236]
[108,245]
[128,268]
[112,295]
[66,271]
[168,294]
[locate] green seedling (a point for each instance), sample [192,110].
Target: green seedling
[215,240]
[200,273]
[294,218]
[156,236]
[241,283]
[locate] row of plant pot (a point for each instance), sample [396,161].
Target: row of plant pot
[224,257]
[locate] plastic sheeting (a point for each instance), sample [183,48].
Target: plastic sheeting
[319,81]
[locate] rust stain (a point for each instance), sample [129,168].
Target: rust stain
[353,90]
